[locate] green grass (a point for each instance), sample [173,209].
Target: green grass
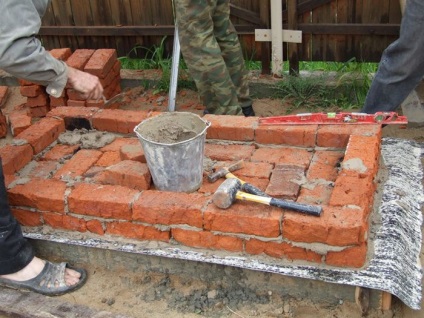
[346,84]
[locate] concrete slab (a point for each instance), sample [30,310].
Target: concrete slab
[413,109]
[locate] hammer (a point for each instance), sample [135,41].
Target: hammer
[229,191]
[226,172]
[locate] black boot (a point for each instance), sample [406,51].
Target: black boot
[248,111]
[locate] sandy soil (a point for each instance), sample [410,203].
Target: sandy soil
[146,294]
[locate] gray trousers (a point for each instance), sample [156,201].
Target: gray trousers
[401,67]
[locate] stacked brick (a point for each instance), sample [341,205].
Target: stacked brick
[117,197]
[105,65]
[102,63]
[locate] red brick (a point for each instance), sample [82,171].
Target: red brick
[101,62]
[57,102]
[285,181]
[226,127]
[109,158]
[39,100]
[19,121]
[32,90]
[229,152]
[291,135]
[284,155]
[8,179]
[74,95]
[127,173]
[27,217]
[119,121]
[4,93]
[42,133]
[3,125]
[244,218]
[350,190]
[65,222]
[23,82]
[94,103]
[137,231]
[315,193]
[362,155]
[43,169]
[281,250]
[61,54]
[111,77]
[40,111]
[69,112]
[117,144]
[158,207]
[78,164]
[75,103]
[260,170]
[113,202]
[60,152]
[335,226]
[203,239]
[349,257]
[44,195]
[325,165]
[95,226]
[80,58]
[15,158]
[337,136]
[93,172]
[209,188]
[132,152]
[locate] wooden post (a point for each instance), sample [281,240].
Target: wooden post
[277,37]
[293,47]
[264,12]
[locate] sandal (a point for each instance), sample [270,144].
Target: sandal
[50,282]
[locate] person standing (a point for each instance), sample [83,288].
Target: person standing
[401,67]
[212,51]
[23,56]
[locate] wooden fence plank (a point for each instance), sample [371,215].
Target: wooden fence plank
[332,29]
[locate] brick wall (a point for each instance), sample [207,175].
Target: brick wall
[109,192]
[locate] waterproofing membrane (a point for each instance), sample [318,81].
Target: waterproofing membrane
[395,266]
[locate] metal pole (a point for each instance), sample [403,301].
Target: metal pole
[174,71]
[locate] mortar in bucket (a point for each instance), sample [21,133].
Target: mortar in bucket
[174,146]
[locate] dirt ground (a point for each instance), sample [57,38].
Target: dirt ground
[154,295]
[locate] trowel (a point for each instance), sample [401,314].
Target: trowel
[119,98]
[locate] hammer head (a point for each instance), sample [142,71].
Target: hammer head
[225,195]
[223,171]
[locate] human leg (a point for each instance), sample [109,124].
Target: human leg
[228,41]
[17,260]
[203,56]
[15,251]
[402,64]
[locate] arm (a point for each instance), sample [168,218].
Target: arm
[22,54]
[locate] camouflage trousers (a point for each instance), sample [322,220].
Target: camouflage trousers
[212,52]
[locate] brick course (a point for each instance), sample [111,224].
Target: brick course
[108,191]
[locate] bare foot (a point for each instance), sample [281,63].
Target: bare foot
[35,267]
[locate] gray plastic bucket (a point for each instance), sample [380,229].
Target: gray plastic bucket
[174,146]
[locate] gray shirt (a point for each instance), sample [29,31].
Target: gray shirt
[21,53]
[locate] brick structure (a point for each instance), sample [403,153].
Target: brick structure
[111,192]
[102,63]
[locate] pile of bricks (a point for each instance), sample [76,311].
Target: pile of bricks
[108,191]
[102,63]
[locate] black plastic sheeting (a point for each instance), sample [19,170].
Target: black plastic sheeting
[395,266]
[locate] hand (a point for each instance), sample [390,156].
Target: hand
[87,84]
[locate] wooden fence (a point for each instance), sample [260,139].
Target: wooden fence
[332,30]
